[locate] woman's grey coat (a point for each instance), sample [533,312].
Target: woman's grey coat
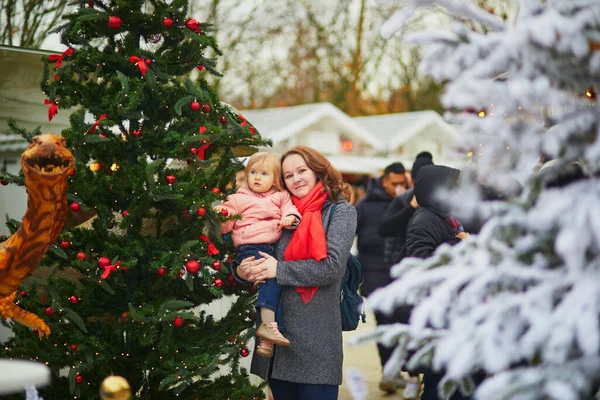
[315,354]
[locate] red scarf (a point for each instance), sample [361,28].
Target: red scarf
[308,240]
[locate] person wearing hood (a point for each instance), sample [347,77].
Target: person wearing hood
[370,208]
[430,226]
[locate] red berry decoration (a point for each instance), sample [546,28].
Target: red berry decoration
[74,207]
[4,183]
[186,214]
[124,315]
[224,212]
[23,293]
[103,262]
[137,133]
[73,299]
[205,108]
[178,321]
[195,105]
[73,347]
[223,119]
[170,179]
[65,244]
[216,190]
[114,22]
[81,256]
[79,379]
[167,22]
[49,311]
[35,330]
[192,266]
[244,352]
[161,271]
[216,264]
[200,68]
[231,280]
[201,212]
[218,282]
[124,213]
[202,130]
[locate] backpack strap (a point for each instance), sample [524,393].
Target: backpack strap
[331,210]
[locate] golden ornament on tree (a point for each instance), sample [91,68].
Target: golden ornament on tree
[115,388]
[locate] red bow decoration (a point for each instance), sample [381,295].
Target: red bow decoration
[202,149]
[212,250]
[112,268]
[93,128]
[140,63]
[59,57]
[53,110]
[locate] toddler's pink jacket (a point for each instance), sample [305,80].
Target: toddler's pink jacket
[261,214]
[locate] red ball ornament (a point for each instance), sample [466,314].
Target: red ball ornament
[205,108]
[73,347]
[65,244]
[148,61]
[195,106]
[4,183]
[74,207]
[124,315]
[79,379]
[124,213]
[192,24]
[103,262]
[200,68]
[202,130]
[137,133]
[114,22]
[218,282]
[49,311]
[161,271]
[216,264]
[167,22]
[201,212]
[216,190]
[231,280]
[23,293]
[170,179]
[73,299]
[244,352]
[193,150]
[81,256]
[178,321]
[35,330]
[223,119]
[192,266]
[56,77]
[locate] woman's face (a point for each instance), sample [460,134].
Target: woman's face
[298,178]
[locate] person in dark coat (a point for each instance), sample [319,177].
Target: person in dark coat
[380,193]
[393,228]
[431,226]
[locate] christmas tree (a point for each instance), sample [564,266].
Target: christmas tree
[519,302]
[122,290]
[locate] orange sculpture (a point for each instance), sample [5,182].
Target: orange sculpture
[46,164]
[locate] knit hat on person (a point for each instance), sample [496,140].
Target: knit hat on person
[424,158]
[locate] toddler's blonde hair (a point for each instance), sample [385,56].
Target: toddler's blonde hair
[270,162]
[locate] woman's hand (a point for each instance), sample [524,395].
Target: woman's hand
[270,266]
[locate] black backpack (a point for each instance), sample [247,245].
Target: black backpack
[351,303]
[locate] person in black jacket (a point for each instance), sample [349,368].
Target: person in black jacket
[393,228]
[380,193]
[431,226]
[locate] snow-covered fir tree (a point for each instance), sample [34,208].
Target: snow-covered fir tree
[520,300]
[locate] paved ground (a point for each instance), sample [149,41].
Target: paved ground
[366,359]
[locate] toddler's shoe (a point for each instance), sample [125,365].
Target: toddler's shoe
[412,388]
[270,332]
[265,348]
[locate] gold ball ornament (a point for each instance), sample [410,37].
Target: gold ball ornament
[115,388]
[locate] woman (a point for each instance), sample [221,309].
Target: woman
[310,264]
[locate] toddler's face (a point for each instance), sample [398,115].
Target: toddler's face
[260,178]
